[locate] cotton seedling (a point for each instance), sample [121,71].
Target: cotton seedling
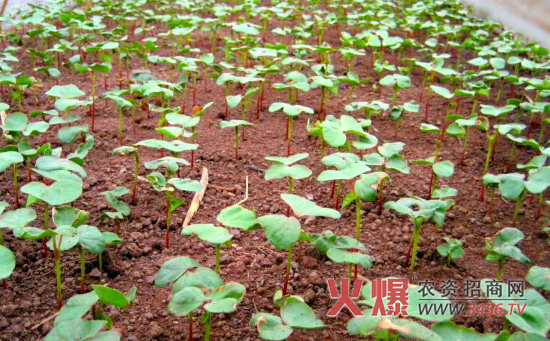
[11,158]
[121,104]
[121,208]
[69,324]
[387,158]
[295,313]
[441,169]
[397,82]
[398,112]
[235,124]
[194,287]
[502,247]
[291,111]
[452,249]
[283,168]
[426,210]
[167,186]
[211,233]
[348,166]
[131,150]
[342,249]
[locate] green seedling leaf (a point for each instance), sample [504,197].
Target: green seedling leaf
[225,298]
[502,246]
[296,313]
[65,91]
[270,327]
[367,186]
[443,169]
[51,163]
[234,123]
[538,180]
[349,172]
[539,277]
[16,218]
[535,318]
[237,216]
[448,330]
[187,185]
[208,232]
[75,329]
[303,207]
[112,296]
[15,122]
[70,134]
[76,307]
[7,262]
[59,193]
[201,277]
[281,231]
[173,269]
[441,91]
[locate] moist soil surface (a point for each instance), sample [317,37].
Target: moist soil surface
[253,261]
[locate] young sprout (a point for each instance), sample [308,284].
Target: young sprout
[348,166]
[452,249]
[443,92]
[502,247]
[387,159]
[295,313]
[398,112]
[131,150]
[11,158]
[211,233]
[282,168]
[121,104]
[290,111]
[354,81]
[235,124]
[71,325]
[160,184]
[194,287]
[66,97]
[342,249]
[396,82]
[121,208]
[369,108]
[442,169]
[510,186]
[426,210]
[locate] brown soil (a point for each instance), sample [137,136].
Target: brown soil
[30,296]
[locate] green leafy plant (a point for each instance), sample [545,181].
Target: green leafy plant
[502,247]
[295,313]
[161,184]
[195,286]
[426,210]
[452,249]
[235,124]
[70,324]
[342,249]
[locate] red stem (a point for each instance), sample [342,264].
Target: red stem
[5,284]
[430,186]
